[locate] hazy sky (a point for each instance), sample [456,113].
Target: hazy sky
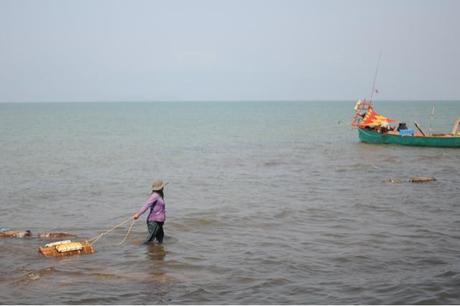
[228,50]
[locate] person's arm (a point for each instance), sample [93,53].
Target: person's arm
[144,208]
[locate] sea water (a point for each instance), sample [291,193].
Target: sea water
[267,203]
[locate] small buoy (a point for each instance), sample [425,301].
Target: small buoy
[422,179]
[66,248]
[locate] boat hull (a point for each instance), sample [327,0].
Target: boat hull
[369,136]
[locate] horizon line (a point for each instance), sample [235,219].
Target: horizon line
[231,101]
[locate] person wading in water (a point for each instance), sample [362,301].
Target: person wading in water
[157,215]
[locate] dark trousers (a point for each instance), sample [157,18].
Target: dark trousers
[155,231]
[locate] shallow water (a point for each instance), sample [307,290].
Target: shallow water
[267,203]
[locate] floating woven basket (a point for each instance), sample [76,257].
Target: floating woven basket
[66,248]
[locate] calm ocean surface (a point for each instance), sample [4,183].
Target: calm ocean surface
[267,203]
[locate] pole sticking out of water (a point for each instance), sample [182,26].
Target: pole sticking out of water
[431,119]
[375,75]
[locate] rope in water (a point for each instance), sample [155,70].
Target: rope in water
[96,238]
[128,232]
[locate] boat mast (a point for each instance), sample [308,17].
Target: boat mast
[375,75]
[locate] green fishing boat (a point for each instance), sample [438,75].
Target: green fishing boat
[377,129]
[436,140]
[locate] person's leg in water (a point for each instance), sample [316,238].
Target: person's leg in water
[153,228]
[160,234]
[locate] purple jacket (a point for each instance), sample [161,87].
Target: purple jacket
[157,208]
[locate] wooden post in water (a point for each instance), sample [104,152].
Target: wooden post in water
[431,120]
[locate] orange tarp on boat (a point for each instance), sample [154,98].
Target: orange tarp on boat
[372,118]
